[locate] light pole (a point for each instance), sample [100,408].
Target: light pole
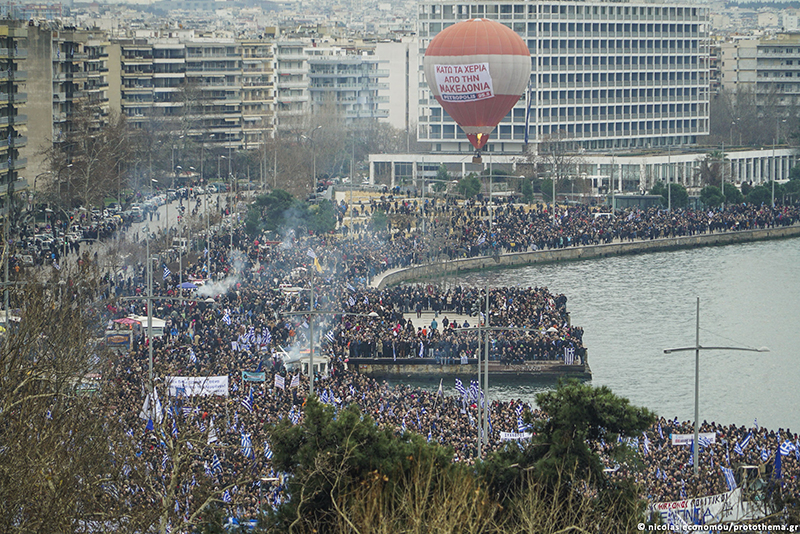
[310,137]
[697,348]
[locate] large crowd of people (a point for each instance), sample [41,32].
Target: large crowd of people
[253,297]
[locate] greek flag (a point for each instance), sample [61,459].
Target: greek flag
[330,337]
[247,446]
[740,447]
[294,416]
[764,455]
[421,349]
[311,254]
[227,317]
[474,390]
[518,409]
[660,432]
[521,426]
[460,387]
[730,480]
[226,496]
[704,442]
[216,465]
[267,451]
[350,287]
[351,301]
[167,272]
[247,402]
[645,444]
[569,355]
[786,447]
[482,239]
[192,356]
[266,337]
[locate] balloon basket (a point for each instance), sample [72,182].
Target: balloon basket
[476,159]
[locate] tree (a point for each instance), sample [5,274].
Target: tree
[711,196]
[379,221]
[527,190]
[469,186]
[268,212]
[334,457]
[566,443]
[55,463]
[89,160]
[678,193]
[732,194]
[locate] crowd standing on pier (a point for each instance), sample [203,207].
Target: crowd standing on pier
[254,296]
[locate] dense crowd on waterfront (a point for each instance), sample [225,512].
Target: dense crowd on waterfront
[253,299]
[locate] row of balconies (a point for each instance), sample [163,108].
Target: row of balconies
[559,16]
[639,83]
[639,66]
[589,34]
[13,53]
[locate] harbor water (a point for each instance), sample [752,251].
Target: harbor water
[634,307]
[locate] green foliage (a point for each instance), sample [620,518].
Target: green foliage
[746,188]
[792,190]
[711,196]
[760,194]
[680,197]
[280,209]
[732,194]
[379,220]
[579,416]
[794,173]
[527,190]
[330,455]
[469,186]
[442,174]
[547,189]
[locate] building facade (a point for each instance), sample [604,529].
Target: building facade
[605,75]
[347,83]
[13,121]
[768,67]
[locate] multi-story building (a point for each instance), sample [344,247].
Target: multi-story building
[606,75]
[258,91]
[13,122]
[291,83]
[346,83]
[767,67]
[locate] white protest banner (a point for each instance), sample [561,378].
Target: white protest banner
[464,83]
[713,509]
[198,385]
[687,439]
[506,436]
[280,382]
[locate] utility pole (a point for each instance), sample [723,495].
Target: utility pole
[311,334]
[697,348]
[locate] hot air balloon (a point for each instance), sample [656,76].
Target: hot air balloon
[477,70]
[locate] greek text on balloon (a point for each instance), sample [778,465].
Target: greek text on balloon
[466,82]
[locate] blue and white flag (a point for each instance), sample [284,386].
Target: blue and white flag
[266,337]
[216,465]
[295,383]
[645,444]
[247,446]
[351,301]
[460,387]
[569,355]
[311,254]
[247,402]
[226,496]
[704,442]
[350,287]
[786,447]
[741,446]
[764,455]
[267,451]
[660,432]
[330,337]
[730,480]
[482,239]
[474,390]
[226,318]
[521,426]
[167,272]
[192,356]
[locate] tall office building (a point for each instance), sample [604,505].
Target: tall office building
[13,122]
[605,75]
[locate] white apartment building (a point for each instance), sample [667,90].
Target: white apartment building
[767,66]
[347,83]
[605,75]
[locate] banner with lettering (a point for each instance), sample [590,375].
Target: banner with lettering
[710,510]
[198,385]
[687,439]
[248,376]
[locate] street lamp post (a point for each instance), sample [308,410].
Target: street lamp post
[310,137]
[697,348]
